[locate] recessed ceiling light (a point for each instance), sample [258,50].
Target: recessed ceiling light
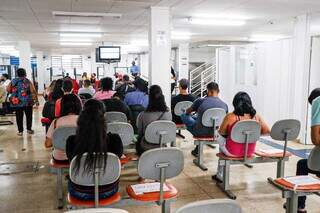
[92,35]
[85,14]
[75,43]
[216,22]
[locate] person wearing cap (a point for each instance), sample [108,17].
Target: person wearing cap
[183,96]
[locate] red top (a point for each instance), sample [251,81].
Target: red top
[237,149]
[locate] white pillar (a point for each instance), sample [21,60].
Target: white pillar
[40,71]
[159,49]
[183,61]
[24,56]
[300,73]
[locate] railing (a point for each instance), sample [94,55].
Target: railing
[200,77]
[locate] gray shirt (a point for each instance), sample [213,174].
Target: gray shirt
[200,106]
[148,117]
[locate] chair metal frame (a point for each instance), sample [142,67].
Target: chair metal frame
[59,170]
[224,185]
[214,123]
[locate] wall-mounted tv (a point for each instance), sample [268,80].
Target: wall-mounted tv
[109,53]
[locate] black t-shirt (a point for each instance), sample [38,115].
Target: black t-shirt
[175,100]
[116,105]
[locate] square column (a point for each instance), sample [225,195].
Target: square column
[41,72]
[159,50]
[183,61]
[24,57]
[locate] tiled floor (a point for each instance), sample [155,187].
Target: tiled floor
[35,191]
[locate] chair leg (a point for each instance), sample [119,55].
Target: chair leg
[59,188]
[165,207]
[199,160]
[224,186]
[180,135]
[292,203]
[280,168]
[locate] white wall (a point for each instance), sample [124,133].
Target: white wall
[204,54]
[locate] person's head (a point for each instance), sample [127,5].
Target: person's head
[91,135]
[133,63]
[183,85]
[84,75]
[118,96]
[52,84]
[140,85]
[213,89]
[70,105]
[157,102]
[93,75]
[57,90]
[67,74]
[126,78]
[106,84]
[21,73]
[86,83]
[67,86]
[5,76]
[243,105]
[313,95]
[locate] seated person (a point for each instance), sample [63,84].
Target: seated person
[87,88]
[70,109]
[243,110]
[125,87]
[67,88]
[3,96]
[194,124]
[302,165]
[105,91]
[183,96]
[92,137]
[139,96]
[156,110]
[115,104]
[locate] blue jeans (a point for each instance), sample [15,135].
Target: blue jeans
[86,196]
[190,123]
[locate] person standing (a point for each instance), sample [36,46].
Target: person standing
[135,69]
[23,96]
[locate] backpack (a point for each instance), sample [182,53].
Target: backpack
[20,93]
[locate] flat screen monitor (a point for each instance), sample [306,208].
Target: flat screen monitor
[109,53]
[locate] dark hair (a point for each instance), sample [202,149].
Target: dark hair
[70,104]
[91,135]
[84,74]
[183,83]
[21,72]
[313,95]
[5,75]
[140,85]
[106,84]
[126,78]
[67,85]
[156,100]
[86,83]
[57,90]
[118,95]
[243,105]
[213,86]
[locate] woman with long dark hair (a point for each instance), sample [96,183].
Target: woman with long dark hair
[92,138]
[243,110]
[156,110]
[57,90]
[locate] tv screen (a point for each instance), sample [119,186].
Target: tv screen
[109,53]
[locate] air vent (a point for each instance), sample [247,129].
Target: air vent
[84,14]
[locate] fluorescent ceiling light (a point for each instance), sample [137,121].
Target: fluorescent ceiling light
[92,35]
[86,14]
[266,37]
[216,22]
[75,43]
[222,16]
[67,39]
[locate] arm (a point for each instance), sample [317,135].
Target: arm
[9,88]
[315,135]
[115,145]
[34,93]
[48,141]
[265,129]
[223,130]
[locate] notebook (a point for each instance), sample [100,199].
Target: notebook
[148,187]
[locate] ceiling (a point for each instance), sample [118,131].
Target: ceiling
[33,20]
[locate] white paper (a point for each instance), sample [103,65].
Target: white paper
[271,151]
[302,180]
[148,187]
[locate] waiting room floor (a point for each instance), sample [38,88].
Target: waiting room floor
[31,188]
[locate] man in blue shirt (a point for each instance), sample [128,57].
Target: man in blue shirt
[194,125]
[139,96]
[134,69]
